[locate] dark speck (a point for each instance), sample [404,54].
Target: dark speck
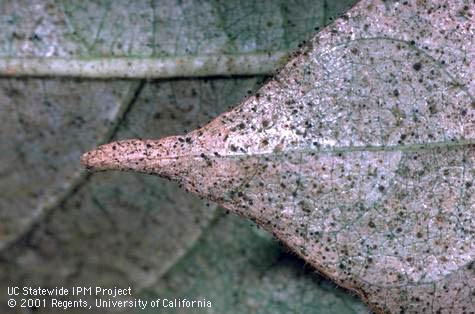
[417,66]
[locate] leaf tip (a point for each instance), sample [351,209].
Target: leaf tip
[95,160]
[125,155]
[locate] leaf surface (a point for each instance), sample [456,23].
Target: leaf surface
[63,227]
[359,155]
[125,230]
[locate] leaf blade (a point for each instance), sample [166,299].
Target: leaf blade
[342,211]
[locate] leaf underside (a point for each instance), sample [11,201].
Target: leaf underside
[359,155]
[59,227]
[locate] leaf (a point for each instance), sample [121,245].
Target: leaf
[107,235]
[358,155]
[40,137]
[116,230]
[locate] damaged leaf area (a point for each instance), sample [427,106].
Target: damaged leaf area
[359,155]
